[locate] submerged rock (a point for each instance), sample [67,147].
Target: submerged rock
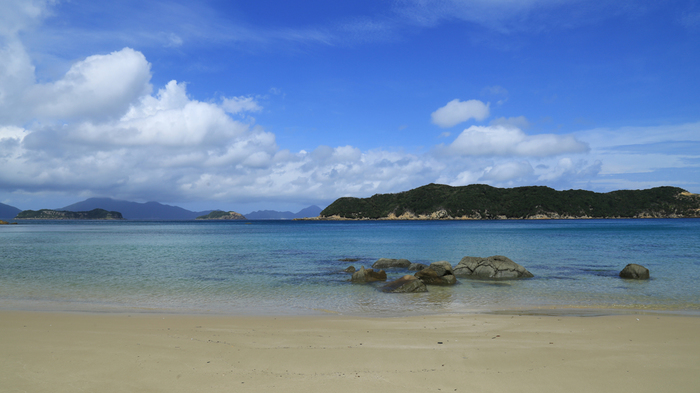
[494,267]
[405,284]
[387,263]
[368,275]
[635,272]
[350,269]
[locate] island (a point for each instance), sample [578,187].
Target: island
[483,202]
[48,214]
[222,215]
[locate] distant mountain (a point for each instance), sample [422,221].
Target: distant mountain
[311,211]
[136,210]
[7,211]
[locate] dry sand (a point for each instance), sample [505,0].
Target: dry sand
[46,352]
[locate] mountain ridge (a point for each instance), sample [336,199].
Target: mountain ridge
[158,211]
[7,211]
[136,210]
[311,211]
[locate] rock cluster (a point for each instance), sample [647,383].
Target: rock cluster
[438,273]
[442,273]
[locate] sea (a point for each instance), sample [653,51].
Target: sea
[297,267]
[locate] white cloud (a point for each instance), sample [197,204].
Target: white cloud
[457,111]
[235,105]
[520,122]
[16,74]
[566,168]
[508,171]
[17,15]
[510,141]
[96,88]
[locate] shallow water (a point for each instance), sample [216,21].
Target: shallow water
[294,267]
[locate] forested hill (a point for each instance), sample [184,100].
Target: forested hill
[48,214]
[478,201]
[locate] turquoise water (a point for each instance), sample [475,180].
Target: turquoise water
[294,267]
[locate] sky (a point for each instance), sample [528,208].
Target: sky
[241,105]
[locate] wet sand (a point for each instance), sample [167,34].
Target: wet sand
[65,352]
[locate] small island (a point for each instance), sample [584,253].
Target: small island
[48,214]
[222,215]
[483,202]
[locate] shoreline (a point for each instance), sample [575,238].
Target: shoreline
[64,351]
[498,218]
[573,310]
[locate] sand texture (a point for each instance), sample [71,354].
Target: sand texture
[62,352]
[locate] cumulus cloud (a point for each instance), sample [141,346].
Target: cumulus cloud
[170,147]
[457,111]
[499,140]
[96,88]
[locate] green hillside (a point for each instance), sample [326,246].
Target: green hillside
[480,201]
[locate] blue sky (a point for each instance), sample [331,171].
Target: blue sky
[281,104]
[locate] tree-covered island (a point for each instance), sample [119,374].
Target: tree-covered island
[222,215]
[483,202]
[48,214]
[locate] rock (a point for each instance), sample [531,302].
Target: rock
[349,259]
[431,277]
[442,268]
[449,279]
[634,271]
[405,284]
[368,275]
[350,269]
[386,263]
[495,267]
[417,267]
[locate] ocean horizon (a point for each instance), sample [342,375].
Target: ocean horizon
[297,267]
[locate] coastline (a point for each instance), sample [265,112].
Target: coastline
[408,217]
[106,352]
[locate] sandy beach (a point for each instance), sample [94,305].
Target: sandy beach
[64,352]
